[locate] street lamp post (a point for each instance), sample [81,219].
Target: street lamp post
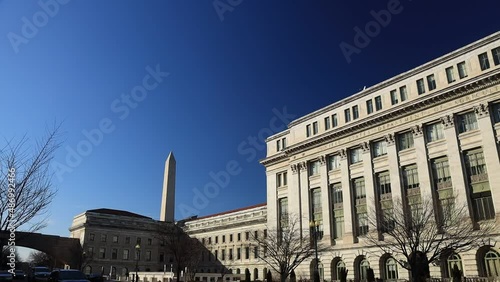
[316,236]
[137,250]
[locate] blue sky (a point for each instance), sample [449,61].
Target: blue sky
[226,80]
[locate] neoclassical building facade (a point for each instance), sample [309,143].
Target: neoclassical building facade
[428,132]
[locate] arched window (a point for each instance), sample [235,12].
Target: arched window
[453,259]
[238,271]
[255,274]
[88,270]
[391,269]
[338,268]
[492,263]
[363,268]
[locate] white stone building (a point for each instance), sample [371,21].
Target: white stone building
[431,129]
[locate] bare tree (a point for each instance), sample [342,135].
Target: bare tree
[283,249]
[186,251]
[27,167]
[416,230]
[38,258]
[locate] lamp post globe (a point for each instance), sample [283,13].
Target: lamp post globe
[137,250]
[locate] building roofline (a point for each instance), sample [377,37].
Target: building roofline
[230,211]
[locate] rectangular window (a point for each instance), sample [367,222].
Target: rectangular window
[434,132]
[450,74]
[162,256]
[362,220]
[410,177]
[247,253]
[314,168]
[278,145]
[334,120]
[138,241]
[247,235]
[394,97]
[256,252]
[379,148]
[474,162]
[115,239]
[495,53]
[358,185]
[355,112]
[114,254]
[479,185]
[150,241]
[148,255]
[283,212]
[223,254]
[347,114]
[483,61]
[283,143]
[91,251]
[103,238]
[125,254]
[230,254]
[467,122]
[315,128]
[102,253]
[216,255]
[483,208]
[403,93]
[230,237]
[462,70]
[356,155]
[256,234]
[369,106]
[281,180]
[239,236]
[420,86]
[308,130]
[316,211]
[337,210]
[431,82]
[333,162]
[378,103]
[223,238]
[209,240]
[238,253]
[127,240]
[327,123]
[405,140]
[383,183]
[441,173]
[91,237]
[496,112]
[216,239]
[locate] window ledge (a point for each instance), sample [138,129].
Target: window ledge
[468,133]
[436,143]
[406,152]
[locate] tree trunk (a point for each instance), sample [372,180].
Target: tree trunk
[283,277]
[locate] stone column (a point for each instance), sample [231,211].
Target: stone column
[392,158]
[304,197]
[490,150]
[422,163]
[294,200]
[347,198]
[456,167]
[369,183]
[325,204]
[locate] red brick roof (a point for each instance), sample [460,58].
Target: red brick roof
[231,211]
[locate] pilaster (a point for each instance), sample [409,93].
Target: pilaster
[392,158]
[304,197]
[369,183]
[325,205]
[422,162]
[347,198]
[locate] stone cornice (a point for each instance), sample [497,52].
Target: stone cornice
[422,103]
[398,78]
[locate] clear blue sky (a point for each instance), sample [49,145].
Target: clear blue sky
[225,78]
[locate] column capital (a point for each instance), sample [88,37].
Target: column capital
[322,160]
[303,166]
[417,130]
[448,121]
[482,110]
[366,147]
[295,168]
[343,154]
[390,139]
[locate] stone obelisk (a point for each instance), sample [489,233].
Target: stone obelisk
[168,195]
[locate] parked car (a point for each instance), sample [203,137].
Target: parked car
[39,274]
[94,277]
[6,276]
[64,275]
[19,274]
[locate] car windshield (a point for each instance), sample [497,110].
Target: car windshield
[72,275]
[41,269]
